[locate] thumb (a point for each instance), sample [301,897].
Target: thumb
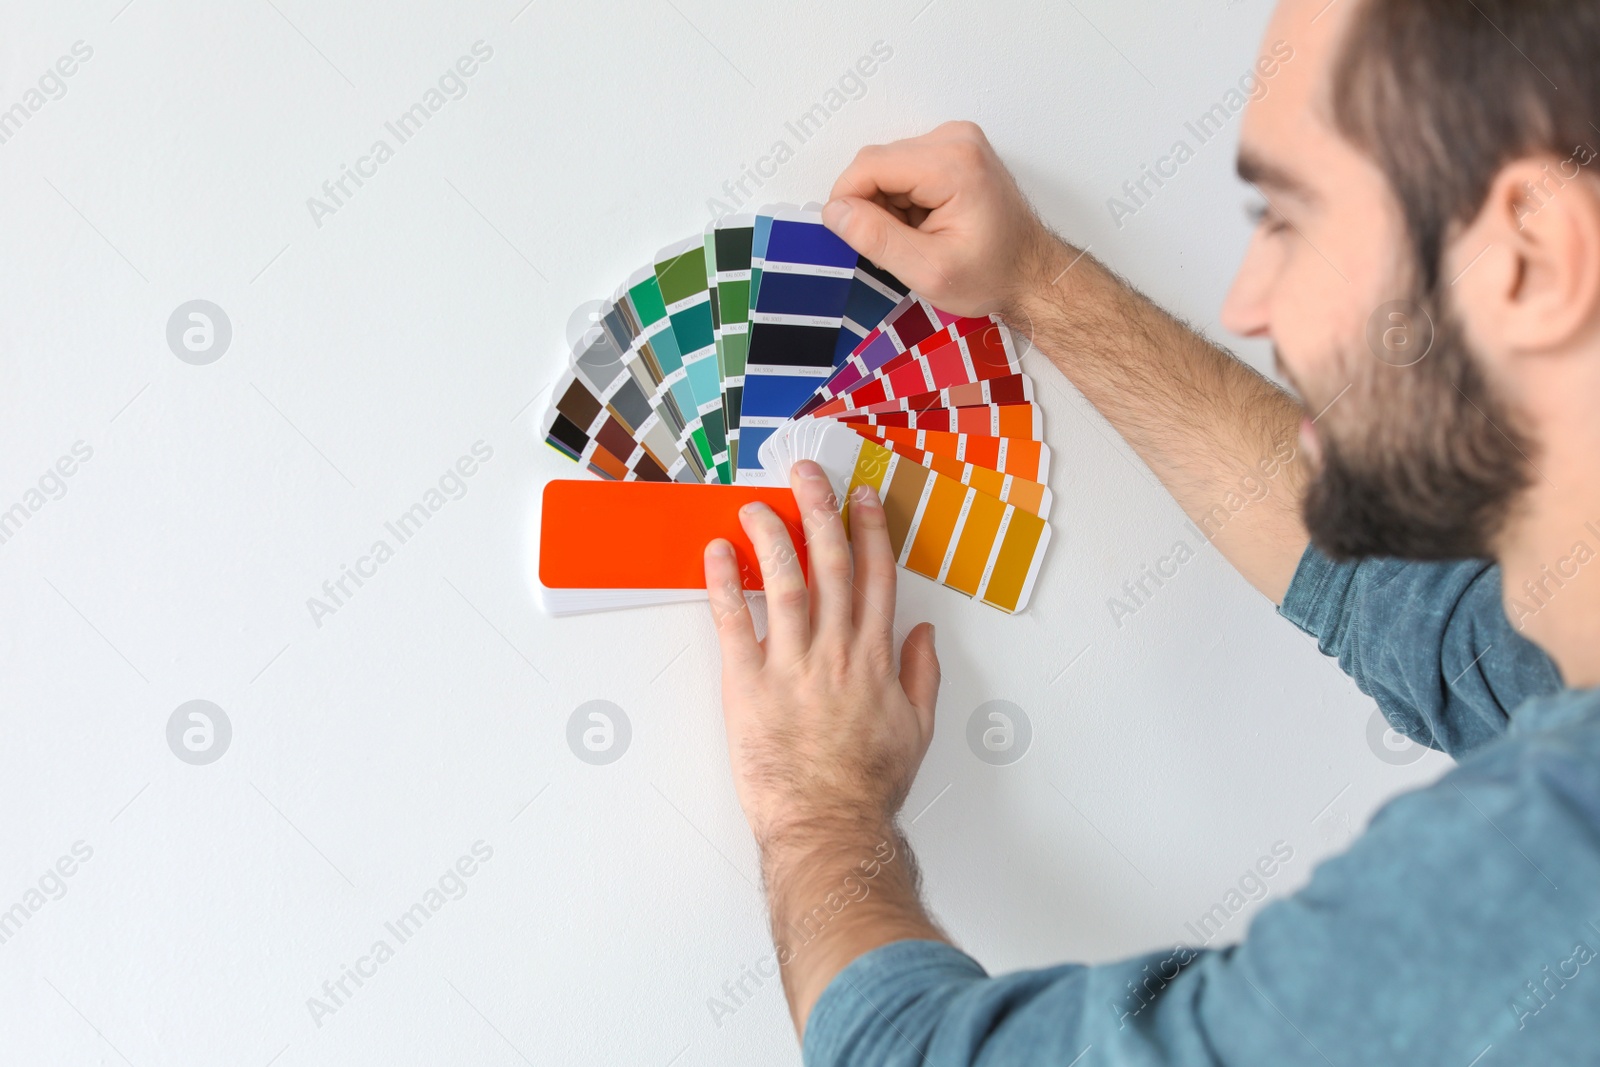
[876,233]
[919,671]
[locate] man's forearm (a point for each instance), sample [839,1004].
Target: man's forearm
[836,893]
[1223,439]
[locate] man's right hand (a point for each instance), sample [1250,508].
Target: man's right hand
[941,213]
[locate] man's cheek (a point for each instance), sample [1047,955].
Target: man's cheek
[1322,356]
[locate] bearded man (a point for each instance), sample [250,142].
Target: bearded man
[1427,266]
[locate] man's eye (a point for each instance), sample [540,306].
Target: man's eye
[1262,214]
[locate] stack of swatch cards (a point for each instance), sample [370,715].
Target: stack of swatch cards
[762,342]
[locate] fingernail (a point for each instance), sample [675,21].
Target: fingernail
[809,470]
[752,509]
[719,549]
[836,215]
[864,494]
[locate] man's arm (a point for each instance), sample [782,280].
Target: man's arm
[1429,941]
[1222,439]
[941,213]
[825,732]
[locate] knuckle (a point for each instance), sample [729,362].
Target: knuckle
[941,287]
[969,155]
[840,675]
[837,670]
[788,596]
[879,658]
[820,518]
[869,518]
[777,552]
[878,234]
[834,564]
[727,617]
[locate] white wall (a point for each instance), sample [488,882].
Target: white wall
[428,713]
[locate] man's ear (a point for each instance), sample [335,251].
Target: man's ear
[1535,287]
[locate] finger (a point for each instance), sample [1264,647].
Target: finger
[873,604]
[788,612]
[826,547]
[910,169]
[736,632]
[876,233]
[919,673]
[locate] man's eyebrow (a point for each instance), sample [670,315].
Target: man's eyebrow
[1258,171]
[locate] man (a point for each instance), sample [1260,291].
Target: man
[1427,265]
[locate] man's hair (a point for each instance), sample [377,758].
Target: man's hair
[1442,94]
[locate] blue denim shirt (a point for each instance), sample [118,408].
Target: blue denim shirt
[1463,928]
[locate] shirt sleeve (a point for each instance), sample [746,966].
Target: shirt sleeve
[1434,937]
[1430,642]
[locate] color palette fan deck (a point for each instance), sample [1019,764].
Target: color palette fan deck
[764,341]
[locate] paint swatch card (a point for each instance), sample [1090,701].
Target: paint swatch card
[873,294]
[681,276]
[729,242]
[605,545]
[806,276]
[659,343]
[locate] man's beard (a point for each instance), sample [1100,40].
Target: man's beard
[1426,462]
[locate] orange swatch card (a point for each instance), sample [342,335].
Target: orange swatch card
[649,535]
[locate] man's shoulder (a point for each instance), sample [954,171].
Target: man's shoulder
[1550,752]
[1429,641]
